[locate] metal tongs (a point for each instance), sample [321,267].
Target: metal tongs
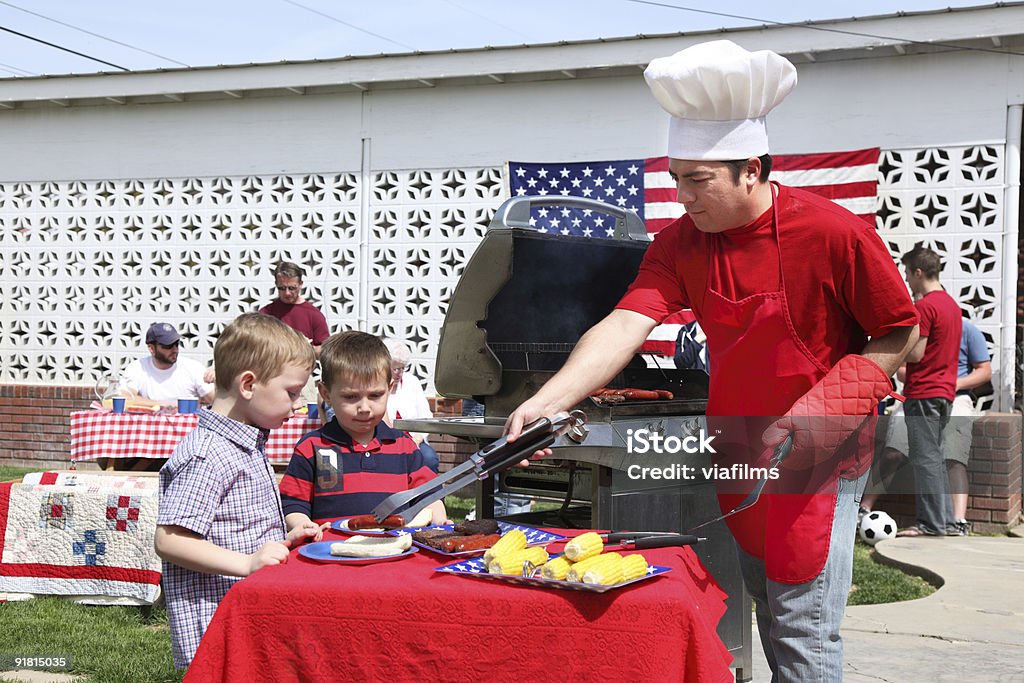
[780,453]
[494,457]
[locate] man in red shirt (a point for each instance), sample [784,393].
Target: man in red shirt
[805,317]
[930,387]
[290,308]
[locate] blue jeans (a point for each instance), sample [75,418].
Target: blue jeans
[799,623]
[926,419]
[430,457]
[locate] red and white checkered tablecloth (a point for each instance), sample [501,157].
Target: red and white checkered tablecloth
[103,434]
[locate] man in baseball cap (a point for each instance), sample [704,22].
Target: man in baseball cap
[162,377]
[162,333]
[806,317]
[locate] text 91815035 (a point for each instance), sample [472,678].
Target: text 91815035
[34,661]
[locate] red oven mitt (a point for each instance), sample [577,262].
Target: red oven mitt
[823,418]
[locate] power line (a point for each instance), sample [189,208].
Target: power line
[486,18]
[13,69]
[812,27]
[60,47]
[95,35]
[352,26]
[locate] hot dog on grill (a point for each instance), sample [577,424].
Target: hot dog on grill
[640,395]
[611,396]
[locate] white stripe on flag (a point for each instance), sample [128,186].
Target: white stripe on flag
[659,179]
[827,176]
[858,205]
[663,210]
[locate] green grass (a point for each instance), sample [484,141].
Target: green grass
[9,473]
[875,583]
[109,644]
[458,507]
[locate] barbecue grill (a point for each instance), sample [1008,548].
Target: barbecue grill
[522,303]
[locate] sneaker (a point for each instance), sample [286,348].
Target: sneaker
[860,515]
[960,527]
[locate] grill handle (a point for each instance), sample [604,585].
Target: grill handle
[515,213]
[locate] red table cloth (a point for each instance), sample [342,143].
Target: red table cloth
[402,621]
[103,434]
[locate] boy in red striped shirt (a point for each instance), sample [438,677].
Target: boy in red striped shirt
[356,460]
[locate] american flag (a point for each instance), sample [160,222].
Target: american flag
[644,186]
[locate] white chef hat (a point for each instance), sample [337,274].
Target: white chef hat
[718,94]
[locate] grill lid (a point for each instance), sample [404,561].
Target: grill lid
[525,298]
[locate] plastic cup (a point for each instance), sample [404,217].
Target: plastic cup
[312,411]
[193,405]
[118,403]
[183,406]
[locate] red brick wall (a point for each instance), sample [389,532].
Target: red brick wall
[994,472]
[450,450]
[35,423]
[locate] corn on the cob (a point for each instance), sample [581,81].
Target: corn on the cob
[512,541]
[577,570]
[611,573]
[633,567]
[512,563]
[556,568]
[604,573]
[584,546]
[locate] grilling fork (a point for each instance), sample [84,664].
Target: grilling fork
[780,453]
[494,457]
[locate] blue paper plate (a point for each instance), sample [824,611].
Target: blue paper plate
[321,552]
[475,568]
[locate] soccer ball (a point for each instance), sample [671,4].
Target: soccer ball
[876,526]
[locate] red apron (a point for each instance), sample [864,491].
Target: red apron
[759,367]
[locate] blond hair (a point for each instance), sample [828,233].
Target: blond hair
[355,357]
[261,344]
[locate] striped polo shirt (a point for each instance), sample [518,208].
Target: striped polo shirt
[330,476]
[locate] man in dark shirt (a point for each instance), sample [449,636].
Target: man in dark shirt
[930,387]
[292,309]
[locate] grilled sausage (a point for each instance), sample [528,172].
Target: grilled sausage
[461,544]
[640,395]
[665,395]
[360,522]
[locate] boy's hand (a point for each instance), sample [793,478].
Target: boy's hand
[274,552]
[307,530]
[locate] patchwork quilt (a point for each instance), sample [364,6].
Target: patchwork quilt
[80,535]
